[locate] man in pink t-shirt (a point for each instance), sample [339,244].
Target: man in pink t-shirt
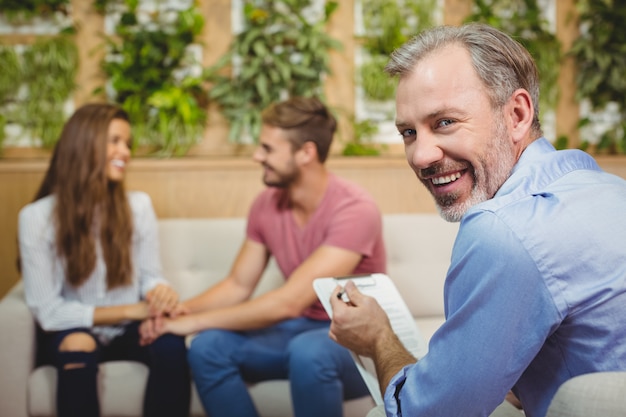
[315,225]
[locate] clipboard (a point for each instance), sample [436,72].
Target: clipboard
[382,288]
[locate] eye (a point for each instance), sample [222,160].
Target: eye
[407,133]
[444,122]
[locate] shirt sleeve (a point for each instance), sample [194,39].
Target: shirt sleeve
[498,315]
[356,227]
[258,208]
[146,256]
[43,274]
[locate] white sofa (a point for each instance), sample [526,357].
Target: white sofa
[195,254]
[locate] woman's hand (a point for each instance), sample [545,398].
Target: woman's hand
[151,328]
[162,299]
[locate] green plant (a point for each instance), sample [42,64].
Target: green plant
[600,55]
[523,20]
[9,85]
[35,86]
[279,53]
[362,145]
[148,66]
[387,25]
[24,10]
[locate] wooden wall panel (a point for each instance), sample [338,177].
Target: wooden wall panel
[18,184]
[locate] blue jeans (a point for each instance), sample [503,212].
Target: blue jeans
[321,373]
[168,389]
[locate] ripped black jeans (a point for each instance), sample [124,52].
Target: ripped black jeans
[168,389]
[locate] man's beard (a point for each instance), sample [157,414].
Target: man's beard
[284,179]
[494,168]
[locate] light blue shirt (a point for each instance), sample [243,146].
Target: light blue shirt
[535,293]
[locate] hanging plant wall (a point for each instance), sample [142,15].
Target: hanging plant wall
[20,11]
[154,76]
[282,51]
[600,55]
[37,77]
[523,20]
[35,86]
[386,25]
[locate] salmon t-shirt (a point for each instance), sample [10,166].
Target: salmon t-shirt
[347,218]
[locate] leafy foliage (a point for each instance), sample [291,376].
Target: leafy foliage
[364,130]
[600,54]
[21,10]
[280,53]
[148,65]
[35,85]
[388,24]
[522,19]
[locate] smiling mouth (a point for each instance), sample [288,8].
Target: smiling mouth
[445,179]
[118,163]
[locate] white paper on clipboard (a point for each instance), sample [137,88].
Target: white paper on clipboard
[382,288]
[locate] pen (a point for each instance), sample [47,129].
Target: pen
[343,296]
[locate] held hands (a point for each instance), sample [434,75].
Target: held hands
[150,329]
[179,322]
[360,323]
[162,299]
[163,304]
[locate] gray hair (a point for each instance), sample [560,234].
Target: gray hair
[502,64]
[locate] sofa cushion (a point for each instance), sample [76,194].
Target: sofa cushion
[203,252]
[418,256]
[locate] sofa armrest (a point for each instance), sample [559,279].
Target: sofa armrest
[17,345]
[597,394]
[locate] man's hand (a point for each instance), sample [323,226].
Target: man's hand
[180,310]
[360,324]
[154,327]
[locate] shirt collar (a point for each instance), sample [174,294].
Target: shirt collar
[540,164]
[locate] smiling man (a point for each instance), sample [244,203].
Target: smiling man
[314,224]
[536,290]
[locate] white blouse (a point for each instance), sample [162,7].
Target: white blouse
[57,305]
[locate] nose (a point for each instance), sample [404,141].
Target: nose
[258,155]
[124,149]
[424,151]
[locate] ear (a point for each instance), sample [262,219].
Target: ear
[306,153]
[520,114]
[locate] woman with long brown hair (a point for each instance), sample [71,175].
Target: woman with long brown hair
[90,265]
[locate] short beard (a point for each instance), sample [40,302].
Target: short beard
[493,170]
[284,180]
